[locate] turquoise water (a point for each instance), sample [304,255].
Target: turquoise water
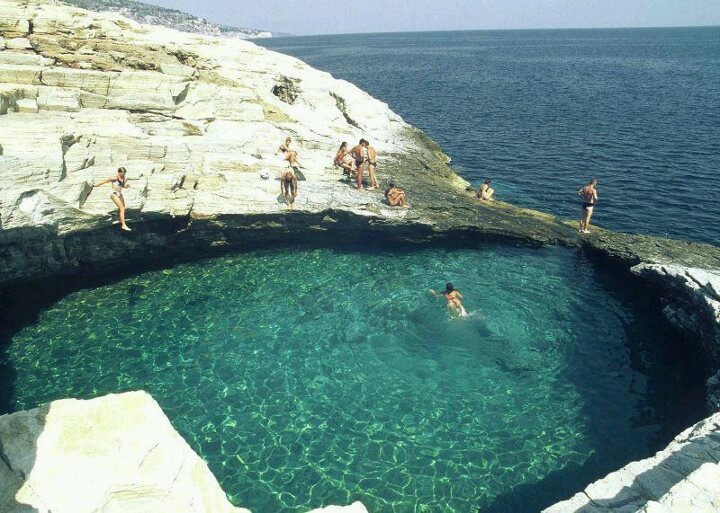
[543,111]
[313,377]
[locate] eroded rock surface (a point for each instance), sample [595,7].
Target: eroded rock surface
[684,477]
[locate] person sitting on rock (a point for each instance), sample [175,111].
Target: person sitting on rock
[395,196]
[344,160]
[372,164]
[361,156]
[485,192]
[291,156]
[289,187]
[118,183]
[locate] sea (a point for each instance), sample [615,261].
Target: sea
[541,112]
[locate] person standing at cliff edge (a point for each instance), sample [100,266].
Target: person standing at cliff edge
[589,197]
[118,183]
[372,163]
[360,154]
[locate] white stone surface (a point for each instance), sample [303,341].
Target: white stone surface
[682,478]
[110,93]
[117,453]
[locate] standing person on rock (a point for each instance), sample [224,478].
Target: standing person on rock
[360,154]
[589,197]
[118,183]
[372,163]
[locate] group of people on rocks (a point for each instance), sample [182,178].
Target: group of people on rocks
[356,161]
[353,163]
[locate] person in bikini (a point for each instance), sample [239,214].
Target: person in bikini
[485,192]
[589,197]
[118,183]
[360,154]
[291,156]
[395,196]
[344,161]
[372,163]
[289,187]
[454,299]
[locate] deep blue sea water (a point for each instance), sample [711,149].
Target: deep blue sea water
[542,111]
[315,377]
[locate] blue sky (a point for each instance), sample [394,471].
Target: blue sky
[337,17]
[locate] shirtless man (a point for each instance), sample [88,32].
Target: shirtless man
[372,163]
[289,187]
[360,154]
[485,192]
[289,154]
[589,197]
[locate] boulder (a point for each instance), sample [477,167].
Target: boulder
[117,453]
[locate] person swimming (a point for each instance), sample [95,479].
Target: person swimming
[454,299]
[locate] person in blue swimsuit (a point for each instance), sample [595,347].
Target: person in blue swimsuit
[118,183]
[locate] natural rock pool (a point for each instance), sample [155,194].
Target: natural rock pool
[315,377]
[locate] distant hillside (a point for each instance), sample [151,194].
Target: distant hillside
[154,15]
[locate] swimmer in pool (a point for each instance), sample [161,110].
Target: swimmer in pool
[454,299]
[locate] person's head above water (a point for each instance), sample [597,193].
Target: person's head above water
[449,288]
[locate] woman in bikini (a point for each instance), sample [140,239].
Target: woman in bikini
[344,161]
[290,155]
[589,197]
[118,183]
[454,299]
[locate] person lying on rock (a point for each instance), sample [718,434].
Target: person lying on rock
[344,161]
[485,192]
[289,187]
[395,196]
[290,155]
[118,183]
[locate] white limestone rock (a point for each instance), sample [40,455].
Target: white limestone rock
[684,477]
[117,453]
[27,105]
[18,43]
[355,507]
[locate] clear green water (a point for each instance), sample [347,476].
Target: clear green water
[315,377]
